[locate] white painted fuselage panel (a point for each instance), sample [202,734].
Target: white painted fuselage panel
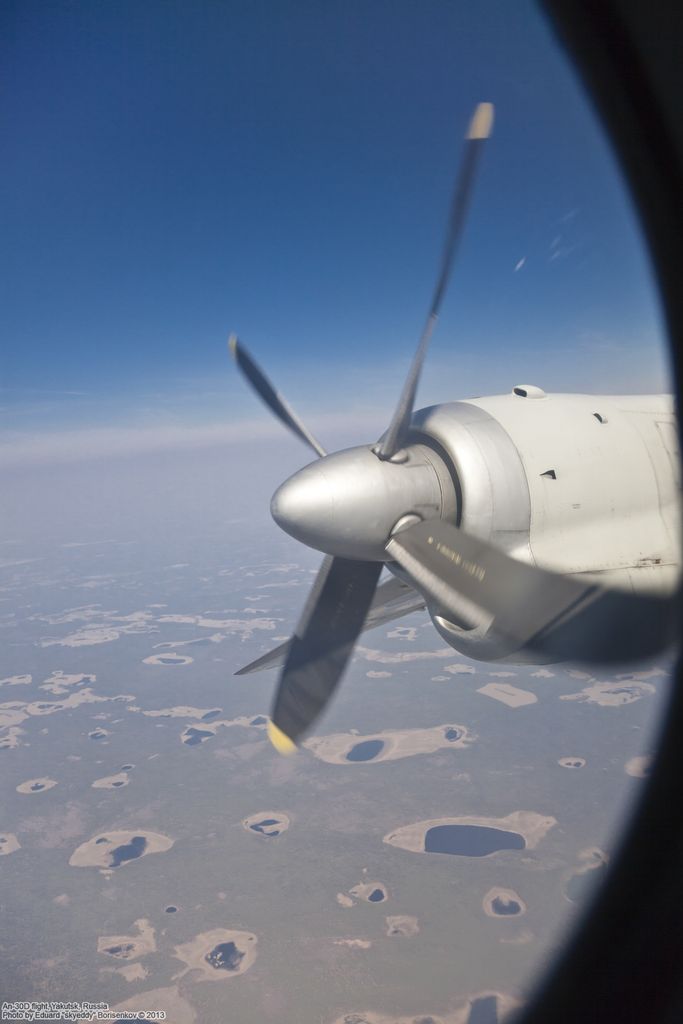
[603,480]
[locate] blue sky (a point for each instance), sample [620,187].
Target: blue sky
[174,171]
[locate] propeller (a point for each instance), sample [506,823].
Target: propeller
[365,506]
[343,593]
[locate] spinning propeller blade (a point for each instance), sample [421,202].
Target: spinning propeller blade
[272,398]
[392,600]
[321,646]
[479,130]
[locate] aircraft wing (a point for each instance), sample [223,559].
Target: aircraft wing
[393,599]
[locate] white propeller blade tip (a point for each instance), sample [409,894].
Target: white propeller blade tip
[481,124]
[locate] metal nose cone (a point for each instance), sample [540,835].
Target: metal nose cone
[347,504]
[303,504]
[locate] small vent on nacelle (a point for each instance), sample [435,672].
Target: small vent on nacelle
[528,391]
[600,418]
[550,474]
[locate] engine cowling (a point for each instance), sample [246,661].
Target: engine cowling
[574,483]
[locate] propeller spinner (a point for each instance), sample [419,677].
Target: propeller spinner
[348,504]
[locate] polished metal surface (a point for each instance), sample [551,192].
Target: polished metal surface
[494,505]
[494,491]
[348,503]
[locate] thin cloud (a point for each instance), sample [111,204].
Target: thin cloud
[520,264]
[40,391]
[22,449]
[599,341]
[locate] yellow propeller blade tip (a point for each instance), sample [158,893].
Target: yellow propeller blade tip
[481,124]
[232,343]
[280,740]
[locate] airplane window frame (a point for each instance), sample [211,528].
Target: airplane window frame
[624,961]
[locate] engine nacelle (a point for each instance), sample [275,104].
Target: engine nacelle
[579,484]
